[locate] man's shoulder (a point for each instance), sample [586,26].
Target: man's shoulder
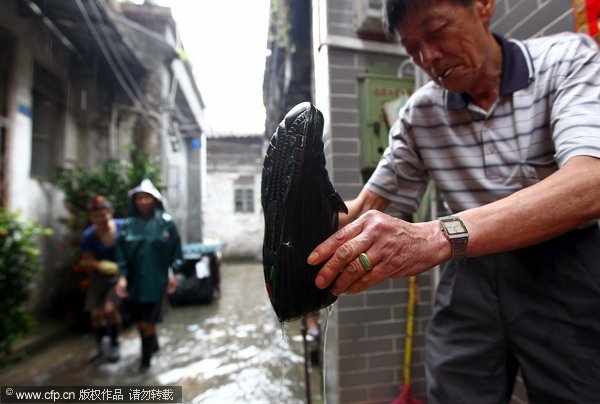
[426,102]
[553,55]
[558,38]
[429,94]
[558,44]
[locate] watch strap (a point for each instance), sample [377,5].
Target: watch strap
[458,241]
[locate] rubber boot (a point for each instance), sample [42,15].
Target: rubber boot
[156,347]
[113,352]
[100,333]
[147,351]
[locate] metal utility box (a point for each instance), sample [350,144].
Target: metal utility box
[381,93]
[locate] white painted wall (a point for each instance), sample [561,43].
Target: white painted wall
[242,232]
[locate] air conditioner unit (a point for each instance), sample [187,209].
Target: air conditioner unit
[367,20]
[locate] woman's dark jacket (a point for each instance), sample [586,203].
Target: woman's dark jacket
[146,248]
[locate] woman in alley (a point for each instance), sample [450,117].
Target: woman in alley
[148,250]
[98,259]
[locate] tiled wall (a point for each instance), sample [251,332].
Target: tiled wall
[345,66]
[371,337]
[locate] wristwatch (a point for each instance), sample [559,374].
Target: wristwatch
[456,232]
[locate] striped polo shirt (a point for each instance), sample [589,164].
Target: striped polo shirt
[548,111]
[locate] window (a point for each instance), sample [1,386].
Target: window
[244,195]
[45,119]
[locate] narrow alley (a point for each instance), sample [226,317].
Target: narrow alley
[231,350]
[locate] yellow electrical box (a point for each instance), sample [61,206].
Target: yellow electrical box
[381,94]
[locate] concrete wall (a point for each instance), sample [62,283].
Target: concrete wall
[37,199]
[229,159]
[242,233]
[531,18]
[96,119]
[365,341]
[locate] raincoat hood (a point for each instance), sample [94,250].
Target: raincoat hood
[148,187]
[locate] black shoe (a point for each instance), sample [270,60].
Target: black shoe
[96,357]
[144,369]
[148,348]
[301,210]
[101,348]
[113,354]
[156,347]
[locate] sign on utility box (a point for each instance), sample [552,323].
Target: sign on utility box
[381,94]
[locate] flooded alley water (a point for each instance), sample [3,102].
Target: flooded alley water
[231,350]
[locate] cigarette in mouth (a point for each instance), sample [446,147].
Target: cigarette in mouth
[444,75]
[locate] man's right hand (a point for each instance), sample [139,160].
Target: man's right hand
[394,248]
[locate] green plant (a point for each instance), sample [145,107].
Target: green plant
[280,27]
[19,263]
[113,180]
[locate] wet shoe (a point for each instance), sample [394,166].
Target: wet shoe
[301,210]
[96,357]
[113,354]
[148,348]
[156,346]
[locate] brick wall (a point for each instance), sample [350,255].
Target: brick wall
[366,337]
[371,337]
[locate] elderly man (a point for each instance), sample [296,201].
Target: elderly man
[509,131]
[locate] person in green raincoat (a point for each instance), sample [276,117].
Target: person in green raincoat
[147,247]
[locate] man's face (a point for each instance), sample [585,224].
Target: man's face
[447,40]
[144,203]
[100,217]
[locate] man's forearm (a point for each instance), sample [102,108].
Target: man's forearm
[565,200]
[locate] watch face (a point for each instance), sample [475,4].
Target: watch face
[454,227]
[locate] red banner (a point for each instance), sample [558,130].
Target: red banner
[587,14]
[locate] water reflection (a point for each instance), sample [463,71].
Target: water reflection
[231,350]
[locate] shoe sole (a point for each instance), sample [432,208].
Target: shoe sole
[301,210]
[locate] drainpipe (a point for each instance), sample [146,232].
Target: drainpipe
[172,137]
[112,131]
